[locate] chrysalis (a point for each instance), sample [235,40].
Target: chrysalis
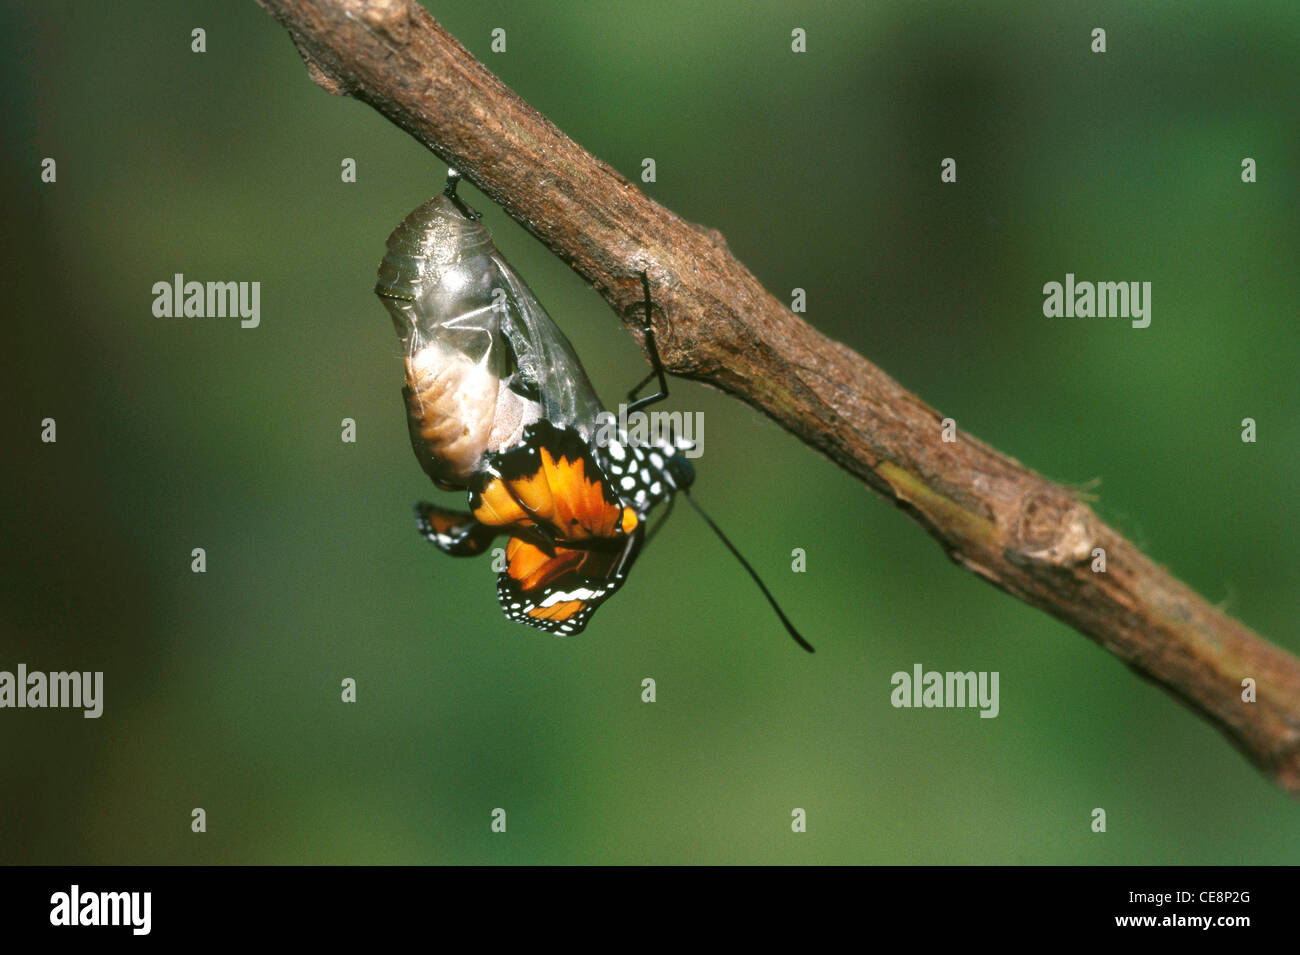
[483,359]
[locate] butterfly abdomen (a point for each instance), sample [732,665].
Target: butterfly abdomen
[461,411]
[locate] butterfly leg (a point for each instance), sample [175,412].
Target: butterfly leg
[634,403]
[453,180]
[631,395]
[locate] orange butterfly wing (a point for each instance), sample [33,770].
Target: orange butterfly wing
[572,540]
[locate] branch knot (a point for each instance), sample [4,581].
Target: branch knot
[1052,530]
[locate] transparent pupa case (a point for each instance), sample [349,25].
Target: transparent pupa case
[483,358]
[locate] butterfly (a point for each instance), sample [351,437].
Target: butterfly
[500,408]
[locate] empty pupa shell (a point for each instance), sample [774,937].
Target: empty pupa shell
[483,359]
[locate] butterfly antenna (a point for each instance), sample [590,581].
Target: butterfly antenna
[798,638]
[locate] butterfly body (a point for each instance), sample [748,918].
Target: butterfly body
[499,407]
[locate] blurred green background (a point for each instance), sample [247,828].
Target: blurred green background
[822,170]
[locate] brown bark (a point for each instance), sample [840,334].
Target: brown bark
[1025,535]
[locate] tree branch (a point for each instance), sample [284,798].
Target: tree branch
[1020,532]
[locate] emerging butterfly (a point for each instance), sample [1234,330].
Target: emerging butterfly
[499,406]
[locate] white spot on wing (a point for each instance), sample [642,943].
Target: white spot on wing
[560,596]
